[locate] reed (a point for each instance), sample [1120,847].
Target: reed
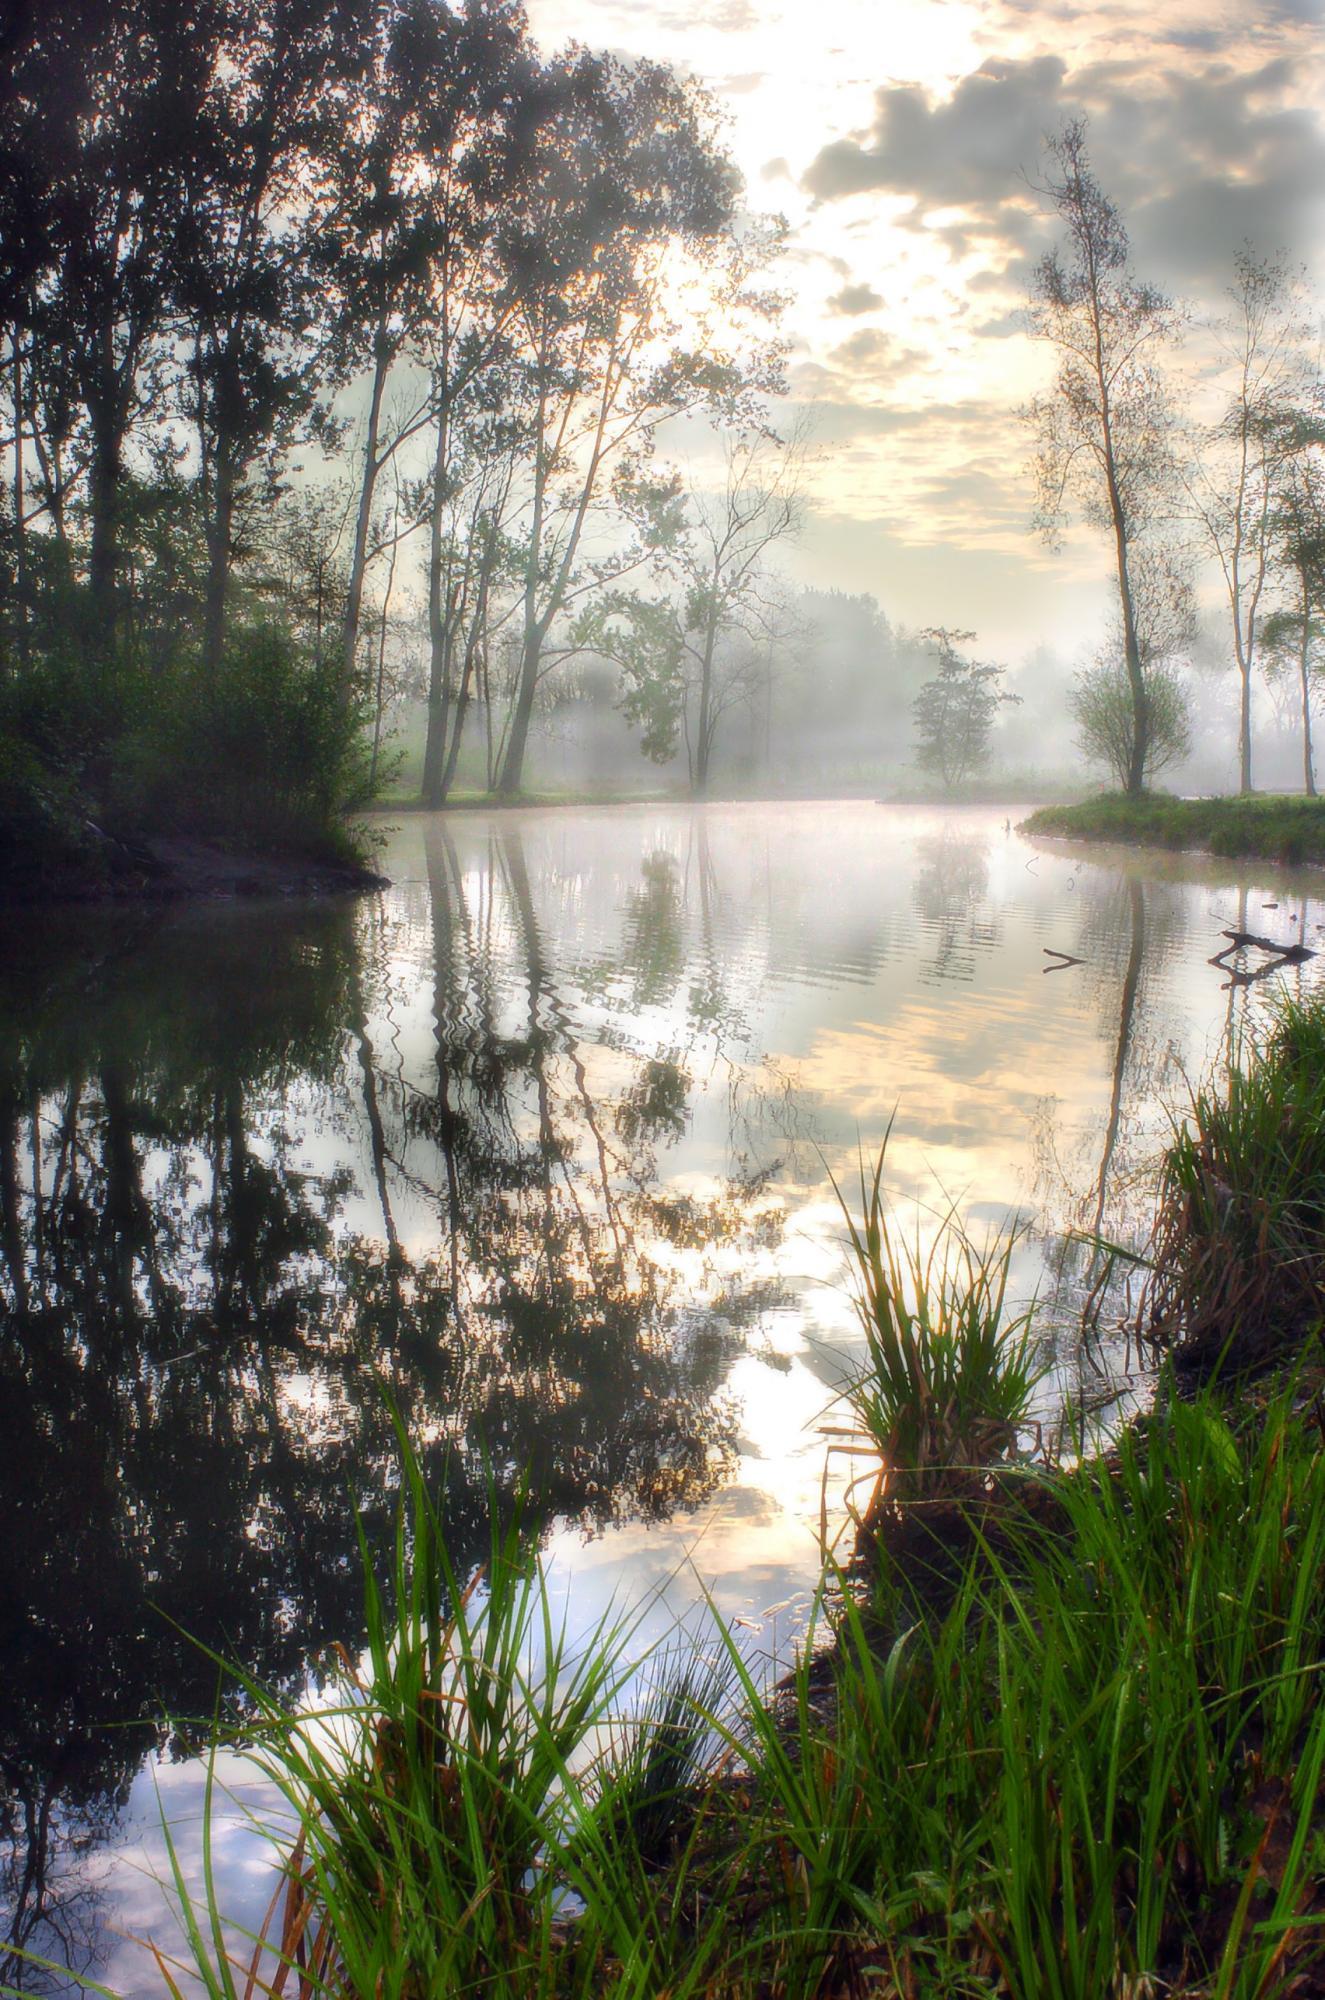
[950,1368]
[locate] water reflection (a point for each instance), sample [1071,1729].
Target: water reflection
[198,1325]
[537,1142]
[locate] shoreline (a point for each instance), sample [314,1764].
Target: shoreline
[180,869]
[1283,829]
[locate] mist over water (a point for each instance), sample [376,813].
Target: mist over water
[540,1139]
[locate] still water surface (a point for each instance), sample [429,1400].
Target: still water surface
[540,1139]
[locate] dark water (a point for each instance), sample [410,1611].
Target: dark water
[538,1142]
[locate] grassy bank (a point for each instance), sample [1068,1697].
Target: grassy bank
[1270,827]
[1061,1736]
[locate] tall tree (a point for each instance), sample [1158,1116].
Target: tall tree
[635,289]
[1293,632]
[242,280]
[1104,432]
[108,102]
[690,660]
[1233,474]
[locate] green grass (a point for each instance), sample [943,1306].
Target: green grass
[1238,1258]
[1091,1767]
[1270,826]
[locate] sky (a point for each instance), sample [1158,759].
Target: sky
[902,140]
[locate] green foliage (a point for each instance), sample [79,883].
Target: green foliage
[1104,711]
[98,752]
[1273,826]
[1239,1253]
[644,637]
[265,748]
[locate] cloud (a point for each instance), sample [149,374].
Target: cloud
[946,153]
[853,299]
[1198,157]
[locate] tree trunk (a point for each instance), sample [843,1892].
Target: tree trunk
[381,661]
[363,520]
[220,533]
[512,770]
[1244,725]
[1304,671]
[704,729]
[103,557]
[20,502]
[458,726]
[439,636]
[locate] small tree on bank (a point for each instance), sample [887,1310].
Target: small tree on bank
[1103,702]
[1103,709]
[1104,430]
[954,712]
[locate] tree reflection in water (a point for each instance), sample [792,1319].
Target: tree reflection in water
[195,1336]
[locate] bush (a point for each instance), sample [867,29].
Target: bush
[100,752]
[268,751]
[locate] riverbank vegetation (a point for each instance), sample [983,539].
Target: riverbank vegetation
[1057,1729]
[1271,826]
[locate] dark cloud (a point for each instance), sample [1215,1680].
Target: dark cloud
[949,153]
[1199,157]
[853,299]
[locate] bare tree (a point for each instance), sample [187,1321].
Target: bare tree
[1232,475]
[1292,633]
[1104,432]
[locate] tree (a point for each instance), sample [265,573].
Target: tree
[1104,432]
[688,660]
[1233,475]
[645,328]
[1102,706]
[102,107]
[721,561]
[242,280]
[955,711]
[1292,633]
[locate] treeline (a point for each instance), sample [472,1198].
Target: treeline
[286,285]
[1227,478]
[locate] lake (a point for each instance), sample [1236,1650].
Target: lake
[538,1145]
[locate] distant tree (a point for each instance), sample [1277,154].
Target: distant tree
[1104,432]
[1233,474]
[954,712]
[688,660]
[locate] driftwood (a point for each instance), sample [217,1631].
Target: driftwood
[1286,954]
[1064,958]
